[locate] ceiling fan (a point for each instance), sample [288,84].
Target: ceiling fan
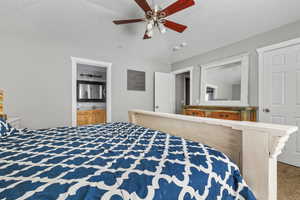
[156,17]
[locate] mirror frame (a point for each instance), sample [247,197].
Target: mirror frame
[244,59]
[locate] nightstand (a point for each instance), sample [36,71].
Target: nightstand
[15,122]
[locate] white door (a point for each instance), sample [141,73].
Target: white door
[281,95]
[164,92]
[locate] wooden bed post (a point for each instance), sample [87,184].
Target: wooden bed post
[253,146]
[131,117]
[259,168]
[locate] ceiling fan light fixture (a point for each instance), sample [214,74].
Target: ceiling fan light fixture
[162,28]
[150,25]
[150,33]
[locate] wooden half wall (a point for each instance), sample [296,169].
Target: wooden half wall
[253,146]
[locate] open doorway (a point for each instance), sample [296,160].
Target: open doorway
[187,89]
[91,92]
[183,88]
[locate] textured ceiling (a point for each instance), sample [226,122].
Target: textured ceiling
[212,23]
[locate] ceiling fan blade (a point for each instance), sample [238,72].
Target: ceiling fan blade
[178,6]
[144,5]
[128,21]
[175,26]
[146,37]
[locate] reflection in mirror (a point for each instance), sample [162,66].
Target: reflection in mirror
[223,83]
[90,91]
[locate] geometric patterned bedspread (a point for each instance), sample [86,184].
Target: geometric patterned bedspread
[114,161]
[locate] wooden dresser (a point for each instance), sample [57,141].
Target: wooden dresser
[226,113]
[90,117]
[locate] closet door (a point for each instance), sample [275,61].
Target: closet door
[84,118]
[281,95]
[164,92]
[100,117]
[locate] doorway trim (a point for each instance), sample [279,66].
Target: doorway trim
[180,71]
[184,88]
[107,65]
[261,51]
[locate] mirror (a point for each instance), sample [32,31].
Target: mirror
[88,91]
[225,82]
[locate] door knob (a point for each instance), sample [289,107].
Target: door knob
[156,107]
[266,110]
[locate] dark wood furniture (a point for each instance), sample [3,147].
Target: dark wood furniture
[221,112]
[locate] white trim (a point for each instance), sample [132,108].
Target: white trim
[244,59]
[278,45]
[180,71]
[107,65]
[261,52]
[260,83]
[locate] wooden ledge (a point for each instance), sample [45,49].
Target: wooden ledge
[272,129]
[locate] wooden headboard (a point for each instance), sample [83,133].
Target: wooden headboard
[253,146]
[2,115]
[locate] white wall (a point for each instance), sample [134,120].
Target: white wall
[250,45]
[35,73]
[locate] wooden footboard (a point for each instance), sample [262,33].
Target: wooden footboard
[253,146]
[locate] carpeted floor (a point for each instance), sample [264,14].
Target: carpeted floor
[288,182]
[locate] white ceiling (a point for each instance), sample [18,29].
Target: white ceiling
[212,23]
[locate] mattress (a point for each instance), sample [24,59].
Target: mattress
[114,161]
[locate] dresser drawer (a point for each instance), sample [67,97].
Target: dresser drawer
[222,112]
[225,115]
[197,113]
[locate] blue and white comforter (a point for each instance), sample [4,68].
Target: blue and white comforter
[114,161]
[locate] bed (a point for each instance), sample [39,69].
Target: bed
[155,156]
[114,161]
